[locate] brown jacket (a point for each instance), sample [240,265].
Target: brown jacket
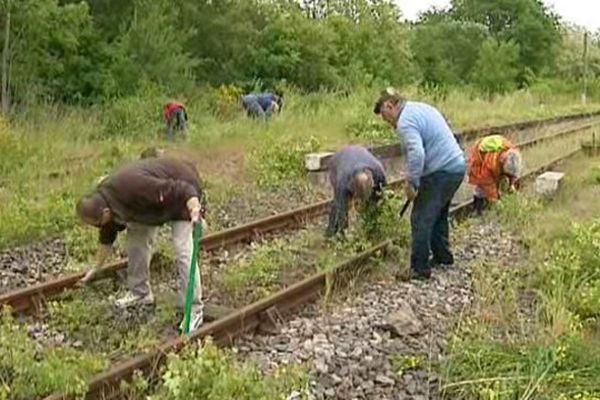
[150,191]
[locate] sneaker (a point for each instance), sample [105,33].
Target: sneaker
[132,300]
[196,320]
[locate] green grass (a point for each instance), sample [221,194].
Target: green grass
[27,371]
[547,347]
[206,372]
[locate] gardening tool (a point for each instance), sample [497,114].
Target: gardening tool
[189,294]
[404,208]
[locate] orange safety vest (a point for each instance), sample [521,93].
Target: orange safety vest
[486,159]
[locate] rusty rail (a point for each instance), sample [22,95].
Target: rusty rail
[392,150]
[32,298]
[107,385]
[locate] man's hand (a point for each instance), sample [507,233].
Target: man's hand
[101,256]
[194,208]
[410,191]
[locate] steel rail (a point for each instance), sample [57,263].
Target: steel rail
[107,385]
[32,298]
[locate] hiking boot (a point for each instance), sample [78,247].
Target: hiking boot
[132,300]
[196,320]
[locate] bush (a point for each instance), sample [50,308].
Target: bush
[206,372]
[380,222]
[28,372]
[496,69]
[371,131]
[138,116]
[276,163]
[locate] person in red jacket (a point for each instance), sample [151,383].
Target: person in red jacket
[174,112]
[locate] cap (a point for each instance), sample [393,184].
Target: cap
[512,164]
[388,94]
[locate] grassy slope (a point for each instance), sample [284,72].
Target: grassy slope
[547,348]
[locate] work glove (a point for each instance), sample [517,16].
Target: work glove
[410,191]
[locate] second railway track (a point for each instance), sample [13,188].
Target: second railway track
[33,297]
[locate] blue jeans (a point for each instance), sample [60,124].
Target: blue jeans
[429,220]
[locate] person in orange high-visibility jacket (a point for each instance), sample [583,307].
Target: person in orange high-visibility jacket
[175,112]
[491,160]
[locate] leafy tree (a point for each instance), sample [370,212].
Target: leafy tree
[144,53]
[52,51]
[496,70]
[528,23]
[446,50]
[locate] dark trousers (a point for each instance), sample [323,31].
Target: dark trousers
[429,220]
[179,119]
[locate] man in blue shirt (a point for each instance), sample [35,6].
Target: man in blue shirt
[262,105]
[435,170]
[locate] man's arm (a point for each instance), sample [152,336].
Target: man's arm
[415,153]
[108,235]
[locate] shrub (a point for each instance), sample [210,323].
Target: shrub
[138,116]
[277,162]
[371,131]
[28,372]
[206,372]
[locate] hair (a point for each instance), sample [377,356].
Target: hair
[362,185]
[512,163]
[389,94]
[91,206]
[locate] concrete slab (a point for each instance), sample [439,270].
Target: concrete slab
[548,183]
[316,161]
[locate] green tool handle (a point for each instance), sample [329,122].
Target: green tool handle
[189,294]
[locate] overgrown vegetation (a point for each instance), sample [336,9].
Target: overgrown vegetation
[534,332]
[28,371]
[206,372]
[278,163]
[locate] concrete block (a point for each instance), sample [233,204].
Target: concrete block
[547,184]
[316,161]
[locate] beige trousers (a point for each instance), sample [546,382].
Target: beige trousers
[140,240]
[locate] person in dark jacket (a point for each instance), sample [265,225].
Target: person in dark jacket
[354,173]
[139,198]
[262,105]
[175,113]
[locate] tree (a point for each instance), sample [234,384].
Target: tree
[144,53]
[446,50]
[4,92]
[47,50]
[528,23]
[496,70]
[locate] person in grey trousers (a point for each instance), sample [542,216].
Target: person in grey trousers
[354,173]
[262,105]
[139,198]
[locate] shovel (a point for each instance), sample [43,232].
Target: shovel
[189,295]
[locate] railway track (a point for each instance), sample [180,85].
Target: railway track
[33,298]
[247,319]
[269,310]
